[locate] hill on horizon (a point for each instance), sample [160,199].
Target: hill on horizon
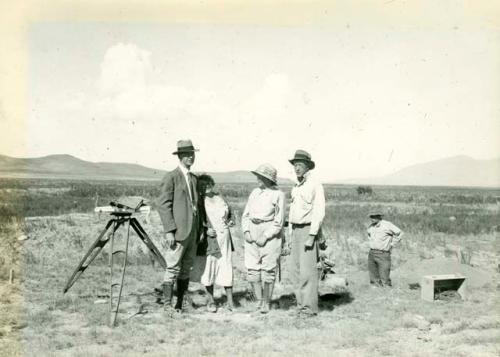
[69,167]
[461,170]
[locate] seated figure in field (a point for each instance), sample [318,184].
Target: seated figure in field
[262,223]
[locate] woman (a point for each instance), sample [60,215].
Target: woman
[262,222]
[218,267]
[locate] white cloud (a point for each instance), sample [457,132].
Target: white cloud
[124,66]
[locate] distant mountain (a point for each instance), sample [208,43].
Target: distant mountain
[67,166]
[454,171]
[70,167]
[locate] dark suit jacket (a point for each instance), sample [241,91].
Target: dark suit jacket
[175,207]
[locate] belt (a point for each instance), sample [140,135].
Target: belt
[380,250]
[259,221]
[300,225]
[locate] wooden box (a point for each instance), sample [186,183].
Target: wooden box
[434,284]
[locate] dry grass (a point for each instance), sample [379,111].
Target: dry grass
[367,321]
[11,320]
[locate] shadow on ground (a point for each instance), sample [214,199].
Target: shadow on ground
[243,298]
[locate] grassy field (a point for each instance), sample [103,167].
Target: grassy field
[444,228]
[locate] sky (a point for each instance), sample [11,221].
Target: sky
[364,101]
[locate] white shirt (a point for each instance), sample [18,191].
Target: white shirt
[383,235]
[308,203]
[265,205]
[185,171]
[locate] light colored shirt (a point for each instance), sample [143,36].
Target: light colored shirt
[217,212]
[265,205]
[308,203]
[383,235]
[185,171]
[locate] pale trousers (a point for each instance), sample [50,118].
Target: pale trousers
[304,270]
[180,258]
[261,262]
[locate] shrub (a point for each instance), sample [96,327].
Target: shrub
[364,190]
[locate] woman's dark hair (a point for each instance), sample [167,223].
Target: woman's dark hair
[205,180]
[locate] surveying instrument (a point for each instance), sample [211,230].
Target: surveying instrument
[122,215]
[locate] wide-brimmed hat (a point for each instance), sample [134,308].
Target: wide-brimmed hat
[304,156]
[376,214]
[267,171]
[184,146]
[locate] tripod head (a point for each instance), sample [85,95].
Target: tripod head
[125,208]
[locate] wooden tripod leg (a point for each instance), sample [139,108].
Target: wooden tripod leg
[149,243]
[115,306]
[91,254]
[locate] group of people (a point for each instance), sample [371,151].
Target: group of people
[196,221]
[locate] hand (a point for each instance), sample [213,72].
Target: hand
[170,240]
[310,241]
[285,250]
[211,232]
[248,237]
[261,241]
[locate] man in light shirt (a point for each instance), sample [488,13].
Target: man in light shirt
[382,236]
[307,211]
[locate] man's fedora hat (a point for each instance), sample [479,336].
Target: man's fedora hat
[376,215]
[304,156]
[267,171]
[184,146]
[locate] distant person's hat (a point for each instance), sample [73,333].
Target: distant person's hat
[267,171]
[184,146]
[304,156]
[376,215]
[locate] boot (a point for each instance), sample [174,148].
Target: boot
[257,290]
[168,288]
[268,291]
[182,286]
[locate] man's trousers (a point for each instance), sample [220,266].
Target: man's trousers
[304,269]
[379,267]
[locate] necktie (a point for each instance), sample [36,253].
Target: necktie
[191,191]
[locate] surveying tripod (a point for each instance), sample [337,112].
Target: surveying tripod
[121,216]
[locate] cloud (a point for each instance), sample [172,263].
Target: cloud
[131,89]
[124,66]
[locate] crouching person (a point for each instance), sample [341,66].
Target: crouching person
[262,222]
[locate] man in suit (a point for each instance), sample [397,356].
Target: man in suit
[180,216]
